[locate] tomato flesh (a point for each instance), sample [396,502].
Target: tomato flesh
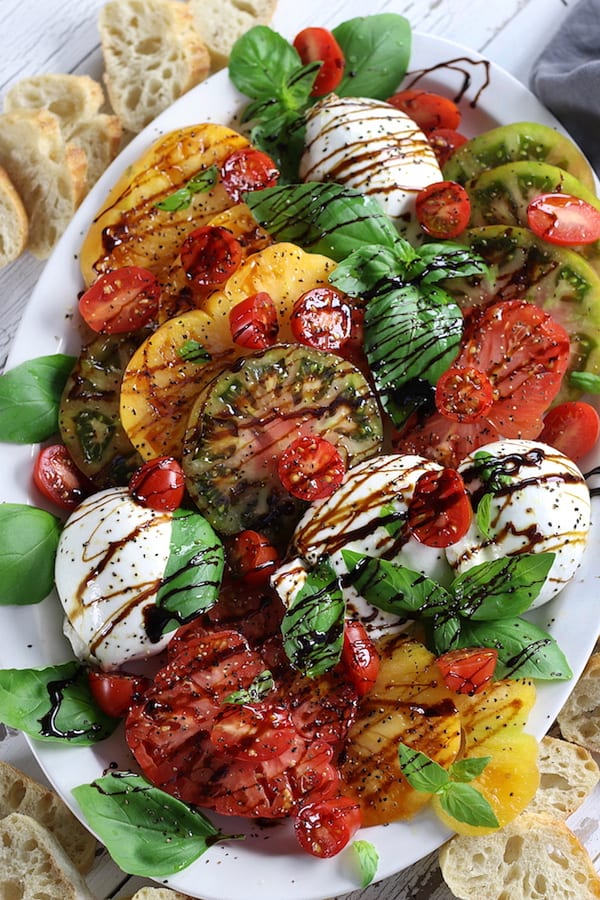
[428,109]
[319,44]
[210,254]
[563,219]
[57,477]
[120,301]
[322,318]
[464,394]
[158,484]
[116,692]
[443,209]
[444,142]
[572,427]
[253,557]
[253,322]
[253,732]
[248,169]
[311,468]
[468,670]
[360,659]
[325,827]
[440,512]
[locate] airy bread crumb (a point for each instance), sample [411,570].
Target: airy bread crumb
[222,22]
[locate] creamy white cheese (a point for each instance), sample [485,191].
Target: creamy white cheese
[373,147]
[365,514]
[111,558]
[542,507]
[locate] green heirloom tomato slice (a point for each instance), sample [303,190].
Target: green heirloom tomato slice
[557,279]
[243,421]
[518,141]
[89,419]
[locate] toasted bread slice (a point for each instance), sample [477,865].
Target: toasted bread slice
[14,225]
[568,774]
[579,720]
[222,22]
[100,139]
[70,97]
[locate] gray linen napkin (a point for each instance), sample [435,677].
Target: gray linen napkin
[566,77]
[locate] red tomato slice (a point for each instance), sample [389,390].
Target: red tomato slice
[158,484]
[57,477]
[326,827]
[468,670]
[444,142]
[210,254]
[116,692]
[248,169]
[257,731]
[120,301]
[443,209]
[319,44]
[253,322]
[311,468]
[564,219]
[572,427]
[525,355]
[464,394]
[360,659]
[440,512]
[253,557]
[322,318]
[428,109]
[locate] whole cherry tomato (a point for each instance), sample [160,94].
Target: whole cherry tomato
[120,301]
[253,322]
[210,254]
[57,477]
[248,169]
[443,209]
[116,692]
[311,468]
[319,44]
[468,670]
[572,427]
[158,484]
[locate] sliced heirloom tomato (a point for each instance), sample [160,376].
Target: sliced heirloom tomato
[325,827]
[322,318]
[443,209]
[563,219]
[57,477]
[360,660]
[121,301]
[428,109]
[116,692]
[319,45]
[440,511]
[253,322]
[572,427]
[253,731]
[248,169]
[311,468]
[158,484]
[468,670]
[210,254]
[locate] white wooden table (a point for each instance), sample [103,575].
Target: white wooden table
[61,36]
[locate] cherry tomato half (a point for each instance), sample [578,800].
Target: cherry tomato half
[439,512]
[572,427]
[563,219]
[464,394]
[322,318]
[253,557]
[158,484]
[468,670]
[121,301]
[319,44]
[57,477]
[325,827]
[253,322]
[210,254]
[443,209]
[116,692]
[311,468]
[248,169]
[360,659]
[444,142]
[257,731]
[428,109]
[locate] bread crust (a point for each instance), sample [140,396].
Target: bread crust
[14,224]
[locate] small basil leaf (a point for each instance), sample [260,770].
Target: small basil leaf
[377,52]
[30,396]
[368,861]
[53,704]
[468,769]
[281,136]
[370,269]
[261,686]
[585,381]
[146,831]
[261,63]
[421,772]
[501,587]
[28,541]
[193,351]
[395,589]
[484,514]
[466,804]
[445,632]
[199,184]
[313,626]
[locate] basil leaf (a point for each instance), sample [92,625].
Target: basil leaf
[28,541]
[395,589]
[446,632]
[368,861]
[469,768]
[502,587]
[313,626]
[377,52]
[524,649]
[192,575]
[53,704]
[146,831]
[281,136]
[322,218]
[261,63]
[585,381]
[193,351]
[369,269]
[484,514]
[261,686]
[199,184]
[466,804]
[439,261]
[421,772]
[30,396]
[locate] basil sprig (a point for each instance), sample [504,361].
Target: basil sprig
[368,860]
[29,398]
[182,198]
[482,607]
[28,541]
[146,831]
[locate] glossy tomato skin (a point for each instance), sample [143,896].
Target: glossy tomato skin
[443,209]
[121,301]
[360,659]
[116,692]
[572,427]
[257,731]
[322,318]
[464,393]
[253,322]
[444,142]
[57,477]
[210,254]
[563,219]
[319,44]
[158,484]
[428,109]
[248,169]
[440,511]
[311,468]
[323,828]
[468,670]
[253,557]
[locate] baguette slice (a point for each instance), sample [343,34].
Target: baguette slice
[22,794]
[534,856]
[33,865]
[100,139]
[222,22]
[579,719]
[70,97]
[152,55]
[48,173]
[568,774]
[14,225]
